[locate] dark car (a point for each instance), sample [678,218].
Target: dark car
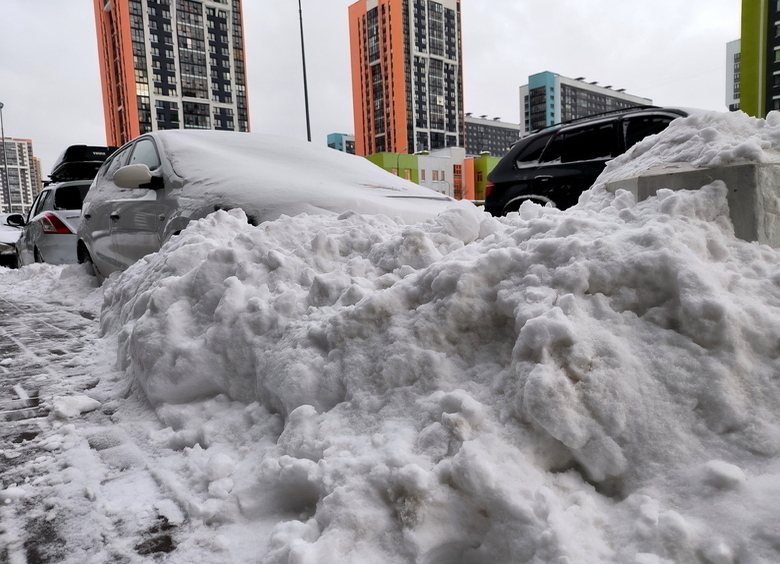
[554,166]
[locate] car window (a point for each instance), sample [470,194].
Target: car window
[70,197]
[34,209]
[45,203]
[583,144]
[533,148]
[145,152]
[113,164]
[637,128]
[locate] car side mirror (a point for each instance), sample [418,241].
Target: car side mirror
[137,176]
[15,220]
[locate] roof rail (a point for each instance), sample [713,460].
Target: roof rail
[592,116]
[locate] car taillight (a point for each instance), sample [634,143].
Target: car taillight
[488,188]
[52,224]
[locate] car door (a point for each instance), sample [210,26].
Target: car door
[33,229]
[95,225]
[574,159]
[137,213]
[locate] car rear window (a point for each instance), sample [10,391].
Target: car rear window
[637,128]
[70,197]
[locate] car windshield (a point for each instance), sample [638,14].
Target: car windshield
[70,197]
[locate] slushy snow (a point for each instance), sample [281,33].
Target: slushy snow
[587,386]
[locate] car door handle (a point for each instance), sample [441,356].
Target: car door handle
[544,177]
[114,215]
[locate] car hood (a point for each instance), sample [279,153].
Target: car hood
[271,176]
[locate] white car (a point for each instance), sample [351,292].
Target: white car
[152,187]
[49,230]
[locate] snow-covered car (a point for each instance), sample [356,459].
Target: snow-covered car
[152,187]
[49,231]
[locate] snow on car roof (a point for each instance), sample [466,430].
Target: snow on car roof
[292,176]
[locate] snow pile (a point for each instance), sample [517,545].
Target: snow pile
[596,385]
[702,139]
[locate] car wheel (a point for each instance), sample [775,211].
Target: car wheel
[37,255]
[85,258]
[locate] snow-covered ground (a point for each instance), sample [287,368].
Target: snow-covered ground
[589,386]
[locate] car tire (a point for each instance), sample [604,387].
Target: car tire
[37,255]
[85,258]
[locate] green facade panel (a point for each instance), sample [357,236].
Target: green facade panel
[753,64]
[398,164]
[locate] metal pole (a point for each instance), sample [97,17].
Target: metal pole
[6,187]
[398,161]
[305,85]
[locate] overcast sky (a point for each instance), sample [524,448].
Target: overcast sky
[671,51]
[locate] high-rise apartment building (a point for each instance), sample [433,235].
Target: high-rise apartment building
[760,57]
[733,74]
[550,98]
[24,180]
[407,75]
[171,64]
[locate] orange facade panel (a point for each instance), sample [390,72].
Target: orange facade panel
[117,73]
[357,13]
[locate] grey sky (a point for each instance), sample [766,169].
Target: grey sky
[671,51]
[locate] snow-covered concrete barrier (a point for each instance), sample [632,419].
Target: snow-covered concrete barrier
[753,193]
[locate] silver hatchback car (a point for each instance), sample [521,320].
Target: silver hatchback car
[152,187]
[49,230]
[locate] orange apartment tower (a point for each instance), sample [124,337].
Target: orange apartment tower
[407,75]
[171,64]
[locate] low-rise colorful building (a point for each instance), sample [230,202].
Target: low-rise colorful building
[447,171]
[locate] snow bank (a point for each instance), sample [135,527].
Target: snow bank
[596,385]
[703,139]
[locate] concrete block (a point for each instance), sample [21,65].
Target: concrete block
[753,193]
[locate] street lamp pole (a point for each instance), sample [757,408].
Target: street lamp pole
[398,161]
[6,187]
[305,85]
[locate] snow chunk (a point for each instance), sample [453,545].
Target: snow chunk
[722,475]
[11,494]
[73,406]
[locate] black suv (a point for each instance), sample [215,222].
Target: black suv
[557,164]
